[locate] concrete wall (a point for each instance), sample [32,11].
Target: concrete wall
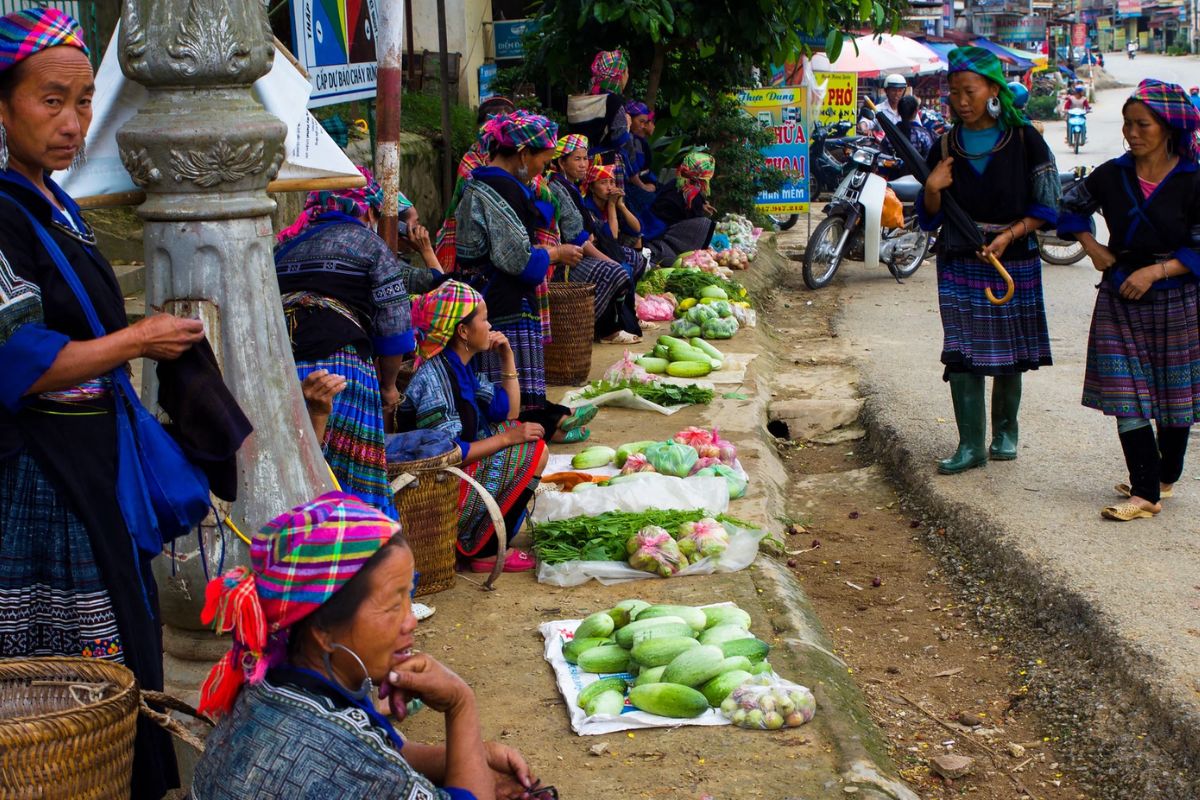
[464,34]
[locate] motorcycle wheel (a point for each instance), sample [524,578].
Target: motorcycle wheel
[823,254]
[1059,251]
[785,223]
[920,252]
[1076,145]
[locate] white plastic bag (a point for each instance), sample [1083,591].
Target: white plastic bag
[649,491]
[768,702]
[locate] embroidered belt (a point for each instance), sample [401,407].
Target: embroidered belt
[88,390]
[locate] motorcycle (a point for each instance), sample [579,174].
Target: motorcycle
[1076,128]
[853,225]
[1054,250]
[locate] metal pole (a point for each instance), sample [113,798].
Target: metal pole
[444,81]
[204,149]
[389,49]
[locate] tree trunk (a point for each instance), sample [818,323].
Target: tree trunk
[656,70]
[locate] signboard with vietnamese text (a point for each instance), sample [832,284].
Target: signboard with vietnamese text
[510,37]
[841,97]
[1022,29]
[782,110]
[1079,34]
[1129,8]
[334,40]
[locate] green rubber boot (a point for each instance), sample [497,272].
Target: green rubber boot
[966,391]
[1006,401]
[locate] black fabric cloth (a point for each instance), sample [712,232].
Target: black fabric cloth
[206,420]
[671,207]
[506,294]
[1172,447]
[1143,461]
[79,456]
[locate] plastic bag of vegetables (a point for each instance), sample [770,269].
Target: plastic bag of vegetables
[768,702]
[685,328]
[702,314]
[703,538]
[656,308]
[734,480]
[636,463]
[652,549]
[720,328]
[671,458]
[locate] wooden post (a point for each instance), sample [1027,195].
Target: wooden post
[389,47]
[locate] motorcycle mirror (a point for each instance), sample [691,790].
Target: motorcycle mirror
[868,113]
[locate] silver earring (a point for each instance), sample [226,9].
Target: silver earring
[3,147]
[366,689]
[80,157]
[993,107]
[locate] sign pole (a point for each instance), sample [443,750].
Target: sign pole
[389,47]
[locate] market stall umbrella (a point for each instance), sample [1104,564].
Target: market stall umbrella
[1013,60]
[927,61]
[950,208]
[868,60]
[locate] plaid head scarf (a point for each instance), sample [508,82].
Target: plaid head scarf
[985,64]
[1172,105]
[437,314]
[351,202]
[694,174]
[597,172]
[569,144]
[297,562]
[636,108]
[609,70]
[520,129]
[26,33]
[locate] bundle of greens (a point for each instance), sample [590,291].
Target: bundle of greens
[662,393]
[604,537]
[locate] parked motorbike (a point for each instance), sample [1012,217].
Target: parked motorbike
[1076,128]
[1054,250]
[853,225]
[825,168]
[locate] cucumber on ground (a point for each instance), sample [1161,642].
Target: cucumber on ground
[604,660]
[595,625]
[595,688]
[761,668]
[651,675]
[716,690]
[634,606]
[736,663]
[726,615]
[663,632]
[754,649]
[573,649]
[659,652]
[693,616]
[624,635]
[655,366]
[669,700]
[694,666]
[671,341]
[688,369]
[724,633]
[610,702]
[688,353]
[712,352]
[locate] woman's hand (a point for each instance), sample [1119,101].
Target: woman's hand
[418,237]
[1140,282]
[498,343]
[513,778]
[525,432]
[568,254]
[942,177]
[1102,257]
[319,389]
[423,677]
[710,209]
[997,246]
[165,337]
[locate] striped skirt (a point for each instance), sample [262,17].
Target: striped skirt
[986,339]
[612,281]
[354,444]
[505,474]
[1143,358]
[526,335]
[53,600]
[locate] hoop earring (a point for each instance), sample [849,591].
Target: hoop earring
[3,147]
[80,157]
[366,689]
[993,107]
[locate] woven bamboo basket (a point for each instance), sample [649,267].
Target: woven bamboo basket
[572,327]
[66,729]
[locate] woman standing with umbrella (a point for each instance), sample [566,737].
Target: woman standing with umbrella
[999,170]
[1143,359]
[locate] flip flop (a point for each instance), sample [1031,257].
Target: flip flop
[515,561]
[1126,512]
[576,436]
[622,337]
[422,611]
[581,416]
[1124,490]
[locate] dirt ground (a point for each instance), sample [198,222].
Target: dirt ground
[923,662]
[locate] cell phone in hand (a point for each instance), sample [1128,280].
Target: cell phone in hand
[402,229]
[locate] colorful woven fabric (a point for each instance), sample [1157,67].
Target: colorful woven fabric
[26,33]
[694,174]
[610,68]
[437,314]
[351,202]
[985,63]
[569,144]
[521,129]
[526,334]
[597,172]
[297,561]
[636,108]
[505,474]
[1173,107]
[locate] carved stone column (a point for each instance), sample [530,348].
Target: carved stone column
[204,150]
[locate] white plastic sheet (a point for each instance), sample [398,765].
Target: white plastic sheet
[651,491]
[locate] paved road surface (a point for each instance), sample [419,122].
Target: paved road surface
[1143,577]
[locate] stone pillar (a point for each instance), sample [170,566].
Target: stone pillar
[204,150]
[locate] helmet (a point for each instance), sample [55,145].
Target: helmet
[895,82]
[1020,94]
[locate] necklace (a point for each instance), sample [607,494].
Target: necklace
[959,149]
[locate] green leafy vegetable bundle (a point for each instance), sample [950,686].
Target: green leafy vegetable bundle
[603,537]
[662,393]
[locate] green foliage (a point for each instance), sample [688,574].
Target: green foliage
[1043,107]
[1180,49]
[421,113]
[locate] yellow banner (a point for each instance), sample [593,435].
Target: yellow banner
[841,97]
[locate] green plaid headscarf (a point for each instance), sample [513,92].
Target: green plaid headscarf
[985,64]
[609,69]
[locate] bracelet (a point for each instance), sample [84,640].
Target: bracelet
[1163,264]
[508,375]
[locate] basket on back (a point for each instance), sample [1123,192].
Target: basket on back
[572,326]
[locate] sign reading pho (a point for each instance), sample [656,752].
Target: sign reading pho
[841,97]
[335,42]
[782,110]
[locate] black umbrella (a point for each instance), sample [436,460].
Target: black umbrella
[950,207]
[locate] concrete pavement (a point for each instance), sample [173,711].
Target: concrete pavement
[1114,605]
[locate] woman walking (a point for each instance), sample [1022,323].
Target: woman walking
[1002,174]
[72,583]
[1143,361]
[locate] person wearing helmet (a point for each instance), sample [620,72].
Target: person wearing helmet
[1020,100]
[894,87]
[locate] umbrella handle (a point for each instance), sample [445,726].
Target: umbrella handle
[1009,288]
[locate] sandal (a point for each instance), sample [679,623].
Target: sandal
[515,561]
[422,611]
[580,417]
[575,436]
[1124,490]
[1125,512]
[621,337]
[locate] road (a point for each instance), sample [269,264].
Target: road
[1137,581]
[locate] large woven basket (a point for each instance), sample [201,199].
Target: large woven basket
[66,729]
[572,327]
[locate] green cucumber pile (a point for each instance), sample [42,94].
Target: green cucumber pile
[681,358]
[686,659]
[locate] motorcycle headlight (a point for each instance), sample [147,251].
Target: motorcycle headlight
[864,157]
